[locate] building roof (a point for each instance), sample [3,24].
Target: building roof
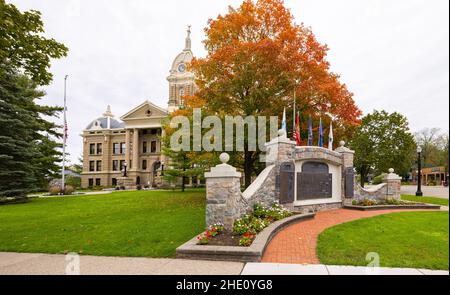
[107,121]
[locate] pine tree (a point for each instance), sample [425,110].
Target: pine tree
[16,140]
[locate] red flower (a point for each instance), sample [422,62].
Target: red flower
[247,234]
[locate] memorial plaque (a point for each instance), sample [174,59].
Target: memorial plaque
[311,186]
[287,174]
[349,182]
[314,182]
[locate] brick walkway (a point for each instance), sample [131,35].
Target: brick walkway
[297,243]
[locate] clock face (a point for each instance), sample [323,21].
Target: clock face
[181,68]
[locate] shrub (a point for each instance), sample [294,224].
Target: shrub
[378,179]
[54,190]
[355,202]
[68,190]
[74,181]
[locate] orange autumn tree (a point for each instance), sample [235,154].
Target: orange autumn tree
[256,57]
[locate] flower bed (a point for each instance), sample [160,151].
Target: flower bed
[245,229]
[370,202]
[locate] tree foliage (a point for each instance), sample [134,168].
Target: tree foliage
[28,151]
[383,141]
[23,46]
[434,146]
[256,57]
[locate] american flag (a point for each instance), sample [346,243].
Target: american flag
[66,133]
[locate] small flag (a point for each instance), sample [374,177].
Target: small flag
[297,135]
[283,123]
[330,137]
[310,132]
[320,134]
[66,131]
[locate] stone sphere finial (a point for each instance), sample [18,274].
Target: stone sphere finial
[391,170]
[281,133]
[224,158]
[342,143]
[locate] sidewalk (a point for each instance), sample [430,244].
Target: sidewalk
[320,269]
[49,264]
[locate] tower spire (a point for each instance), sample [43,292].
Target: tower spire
[188,39]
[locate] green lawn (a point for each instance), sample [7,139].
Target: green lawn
[139,223]
[406,239]
[428,200]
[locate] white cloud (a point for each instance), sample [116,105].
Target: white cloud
[392,54]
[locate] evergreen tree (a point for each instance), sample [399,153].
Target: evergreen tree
[28,150]
[16,140]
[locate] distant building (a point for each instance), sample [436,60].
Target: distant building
[432,175]
[110,144]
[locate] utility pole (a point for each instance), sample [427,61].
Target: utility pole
[63,180]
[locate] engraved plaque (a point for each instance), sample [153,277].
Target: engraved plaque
[312,186]
[315,167]
[287,174]
[349,182]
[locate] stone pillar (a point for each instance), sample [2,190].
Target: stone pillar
[279,149]
[394,183]
[135,149]
[223,194]
[348,175]
[127,147]
[347,155]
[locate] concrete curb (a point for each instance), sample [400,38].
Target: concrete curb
[254,253]
[390,207]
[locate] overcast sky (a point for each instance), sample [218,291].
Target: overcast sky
[392,54]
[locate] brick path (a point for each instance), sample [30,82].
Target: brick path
[297,243]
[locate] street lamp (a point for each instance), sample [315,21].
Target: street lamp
[419,172]
[125,169]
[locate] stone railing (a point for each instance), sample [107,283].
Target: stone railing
[388,190]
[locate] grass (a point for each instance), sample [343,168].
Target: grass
[406,239]
[138,223]
[428,200]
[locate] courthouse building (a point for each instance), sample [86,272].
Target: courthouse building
[110,145]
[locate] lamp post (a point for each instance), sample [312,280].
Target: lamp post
[419,173]
[125,169]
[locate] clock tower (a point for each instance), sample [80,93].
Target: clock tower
[181,82]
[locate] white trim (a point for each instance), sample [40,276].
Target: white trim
[147,102]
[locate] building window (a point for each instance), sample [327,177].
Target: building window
[90,182]
[144,164]
[91,166]
[116,150]
[115,165]
[144,147]
[98,182]
[92,149]
[99,165]
[123,148]
[153,147]
[122,162]
[99,148]
[114,182]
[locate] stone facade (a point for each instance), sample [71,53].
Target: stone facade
[224,202]
[388,190]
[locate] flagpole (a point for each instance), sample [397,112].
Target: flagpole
[63,180]
[293,111]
